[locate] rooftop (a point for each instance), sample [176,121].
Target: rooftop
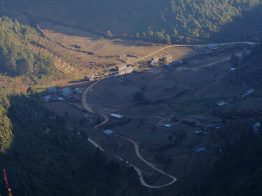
[108,132]
[116,115]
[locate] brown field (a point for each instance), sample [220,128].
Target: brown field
[173,95]
[89,53]
[176,95]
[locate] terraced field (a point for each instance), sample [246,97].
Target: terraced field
[86,49]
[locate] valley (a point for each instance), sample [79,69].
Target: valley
[155,120]
[163,110]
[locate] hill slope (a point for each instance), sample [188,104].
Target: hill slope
[158,20]
[16,55]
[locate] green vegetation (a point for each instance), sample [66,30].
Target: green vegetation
[158,20]
[16,54]
[47,157]
[239,170]
[6,135]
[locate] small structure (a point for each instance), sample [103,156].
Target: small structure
[256,127]
[108,132]
[89,78]
[60,99]
[221,103]
[66,92]
[116,116]
[167,59]
[154,61]
[168,125]
[47,98]
[178,62]
[239,57]
[125,69]
[214,126]
[197,131]
[248,93]
[200,149]
[78,90]
[213,46]
[132,55]
[52,90]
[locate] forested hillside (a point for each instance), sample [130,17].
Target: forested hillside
[48,158]
[6,134]
[16,55]
[158,20]
[41,153]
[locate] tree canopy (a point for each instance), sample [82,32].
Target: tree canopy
[16,55]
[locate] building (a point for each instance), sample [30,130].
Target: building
[125,69]
[78,90]
[198,131]
[239,58]
[66,92]
[132,56]
[178,62]
[168,125]
[60,99]
[221,103]
[47,98]
[256,127]
[108,132]
[248,92]
[116,116]
[154,61]
[200,149]
[168,59]
[52,90]
[213,46]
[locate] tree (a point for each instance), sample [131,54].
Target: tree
[167,39]
[6,135]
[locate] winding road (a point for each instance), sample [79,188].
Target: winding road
[136,146]
[191,45]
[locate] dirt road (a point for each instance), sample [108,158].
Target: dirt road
[189,45]
[151,165]
[136,147]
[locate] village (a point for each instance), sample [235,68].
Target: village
[159,110]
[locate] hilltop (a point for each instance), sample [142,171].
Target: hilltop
[158,20]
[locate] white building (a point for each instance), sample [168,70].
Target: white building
[256,126]
[116,116]
[154,61]
[168,125]
[66,92]
[52,90]
[248,92]
[168,59]
[221,103]
[108,132]
[47,98]
[125,69]
[213,46]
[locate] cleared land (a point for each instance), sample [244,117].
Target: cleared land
[171,112]
[91,54]
[171,122]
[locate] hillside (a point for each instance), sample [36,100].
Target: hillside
[16,54]
[41,152]
[158,20]
[48,158]
[84,113]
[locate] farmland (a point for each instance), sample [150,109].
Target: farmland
[172,119]
[172,115]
